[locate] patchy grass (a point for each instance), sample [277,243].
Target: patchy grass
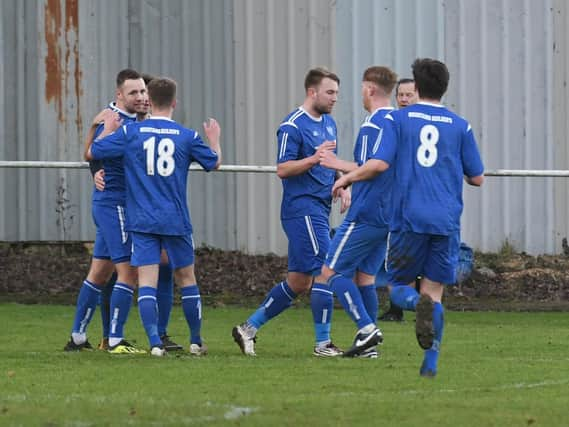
[496,369]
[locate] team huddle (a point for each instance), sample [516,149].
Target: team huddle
[403,212]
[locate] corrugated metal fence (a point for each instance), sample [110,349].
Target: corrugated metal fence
[243,62]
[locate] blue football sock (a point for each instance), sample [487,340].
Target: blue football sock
[165,297]
[432,355]
[278,300]
[371,302]
[121,301]
[149,313]
[192,307]
[351,299]
[86,306]
[322,304]
[404,296]
[106,304]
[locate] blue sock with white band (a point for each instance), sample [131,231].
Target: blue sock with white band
[278,300]
[148,310]
[322,305]
[86,305]
[121,301]
[192,307]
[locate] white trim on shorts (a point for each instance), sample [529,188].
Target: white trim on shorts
[312,234]
[341,245]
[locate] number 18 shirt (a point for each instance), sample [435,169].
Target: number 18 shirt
[157,154]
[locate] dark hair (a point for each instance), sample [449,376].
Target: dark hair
[147,78]
[315,76]
[383,77]
[402,82]
[127,74]
[162,92]
[431,78]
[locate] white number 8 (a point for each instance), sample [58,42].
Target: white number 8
[165,163]
[427,151]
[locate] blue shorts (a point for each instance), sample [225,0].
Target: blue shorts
[357,247]
[308,242]
[432,256]
[112,241]
[146,249]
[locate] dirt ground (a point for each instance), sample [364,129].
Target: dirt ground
[52,273]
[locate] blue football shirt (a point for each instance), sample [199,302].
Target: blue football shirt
[157,154]
[298,136]
[115,189]
[431,150]
[371,199]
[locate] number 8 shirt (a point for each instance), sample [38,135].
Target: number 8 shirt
[431,149]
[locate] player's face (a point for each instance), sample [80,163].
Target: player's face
[130,96]
[325,95]
[145,106]
[406,95]
[366,95]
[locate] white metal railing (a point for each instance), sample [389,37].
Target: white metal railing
[265,169]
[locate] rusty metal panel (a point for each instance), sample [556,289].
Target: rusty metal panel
[243,62]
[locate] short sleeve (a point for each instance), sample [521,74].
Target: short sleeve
[471,161]
[289,143]
[385,144]
[202,153]
[111,146]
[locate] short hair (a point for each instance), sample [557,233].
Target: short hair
[127,74]
[383,77]
[431,78]
[162,92]
[315,76]
[147,78]
[402,82]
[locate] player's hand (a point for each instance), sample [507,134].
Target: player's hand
[102,115]
[341,184]
[99,179]
[345,199]
[112,121]
[212,129]
[328,159]
[325,146]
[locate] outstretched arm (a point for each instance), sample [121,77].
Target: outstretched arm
[329,160]
[213,133]
[368,170]
[476,181]
[292,168]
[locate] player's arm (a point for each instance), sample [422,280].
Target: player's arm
[345,195]
[471,160]
[368,170]
[289,143]
[110,146]
[329,160]
[213,133]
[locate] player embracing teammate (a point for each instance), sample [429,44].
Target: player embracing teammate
[431,150]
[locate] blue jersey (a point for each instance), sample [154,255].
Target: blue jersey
[157,154]
[371,199]
[115,190]
[432,149]
[310,193]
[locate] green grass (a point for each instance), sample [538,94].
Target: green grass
[496,369]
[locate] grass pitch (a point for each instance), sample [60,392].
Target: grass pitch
[496,369]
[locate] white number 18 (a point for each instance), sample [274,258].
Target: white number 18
[165,163]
